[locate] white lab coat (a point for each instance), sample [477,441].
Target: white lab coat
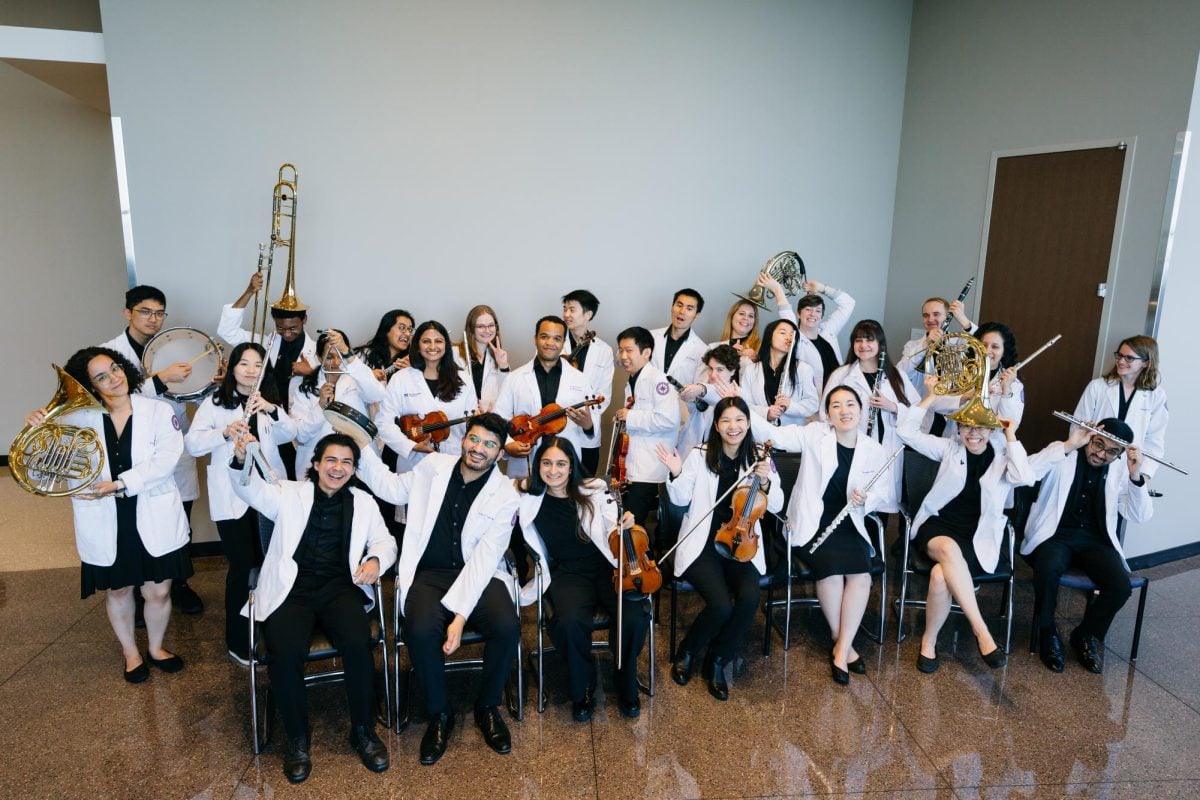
[654,419]
[493,378]
[207,436]
[155,450]
[485,534]
[852,375]
[408,393]
[1055,468]
[289,504]
[185,471]
[802,392]
[688,365]
[601,523]
[1147,415]
[696,487]
[520,395]
[309,417]
[1010,468]
[831,325]
[597,369]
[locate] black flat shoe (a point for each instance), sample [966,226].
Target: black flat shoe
[718,687]
[1089,650]
[927,665]
[683,668]
[630,708]
[995,659]
[138,674]
[858,666]
[369,747]
[494,731]
[172,664]
[840,676]
[297,763]
[437,736]
[1051,651]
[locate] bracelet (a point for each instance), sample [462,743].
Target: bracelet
[347,354]
[504,369]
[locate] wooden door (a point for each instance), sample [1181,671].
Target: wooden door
[1049,245]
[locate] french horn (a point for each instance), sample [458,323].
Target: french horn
[961,364]
[55,460]
[785,267]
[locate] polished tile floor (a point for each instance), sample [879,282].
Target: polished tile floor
[70,727]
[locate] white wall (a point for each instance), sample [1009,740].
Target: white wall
[63,267]
[457,153]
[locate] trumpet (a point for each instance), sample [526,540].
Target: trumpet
[1114,439]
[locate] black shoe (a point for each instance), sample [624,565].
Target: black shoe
[995,659]
[436,737]
[630,708]
[138,674]
[858,666]
[369,747]
[927,665]
[172,664]
[494,731]
[718,687]
[706,668]
[683,668]
[184,598]
[840,676]
[139,609]
[1051,650]
[297,763]
[581,710]
[1089,650]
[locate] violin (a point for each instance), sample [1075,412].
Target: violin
[583,340]
[640,571]
[617,479]
[528,428]
[738,538]
[433,427]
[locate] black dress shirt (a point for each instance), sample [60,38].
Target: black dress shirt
[444,550]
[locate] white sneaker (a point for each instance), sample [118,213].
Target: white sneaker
[245,662]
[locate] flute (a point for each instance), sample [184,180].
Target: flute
[254,454]
[1115,440]
[1036,353]
[829,529]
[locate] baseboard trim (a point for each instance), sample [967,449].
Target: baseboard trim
[1147,560]
[202,549]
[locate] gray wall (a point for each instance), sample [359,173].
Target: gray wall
[457,153]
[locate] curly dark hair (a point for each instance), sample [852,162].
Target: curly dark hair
[77,367]
[1011,356]
[378,351]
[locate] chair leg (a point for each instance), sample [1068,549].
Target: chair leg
[387,685]
[900,604]
[787,613]
[674,619]
[882,606]
[1137,625]
[650,678]
[258,744]
[1008,615]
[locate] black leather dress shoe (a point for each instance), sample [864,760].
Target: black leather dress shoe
[185,598]
[630,708]
[1051,650]
[138,674]
[172,664]
[369,747]
[683,668]
[995,659]
[494,731]
[927,665]
[436,737]
[581,710]
[297,763]
[718,687]
[1089,650]
[858,666]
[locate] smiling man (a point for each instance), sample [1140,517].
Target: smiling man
[460,517]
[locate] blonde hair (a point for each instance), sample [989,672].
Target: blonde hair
[1146,347]
[467,348]
[752,338]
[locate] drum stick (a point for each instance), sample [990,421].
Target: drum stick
[189,363]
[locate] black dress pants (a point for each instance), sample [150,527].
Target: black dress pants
[730,591]
[425,623]
[242,547]
[338,606]
[1098,559]
[640,499]
[574,598]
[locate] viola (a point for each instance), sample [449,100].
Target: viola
[640,572]
[738,538]
[433,427]
[551,420]
[617,479]
[583,340]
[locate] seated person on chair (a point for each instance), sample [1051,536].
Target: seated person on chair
[328,548]
[566,519]
[960,524]
[838,462]
[460,518]
[1073,523]
[697,482]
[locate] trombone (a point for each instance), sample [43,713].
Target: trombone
[283,234]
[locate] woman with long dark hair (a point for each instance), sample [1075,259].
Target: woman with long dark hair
[727,460]
[388,348]
[566,520]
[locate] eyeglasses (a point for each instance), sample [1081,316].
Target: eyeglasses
[1097,444]
[147,313]
[402,328]
[490,444]
[1127,358]
[104,378]
[479,326]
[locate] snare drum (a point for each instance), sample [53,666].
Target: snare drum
[191,346]
[348,420]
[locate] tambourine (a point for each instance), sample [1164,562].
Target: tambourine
[191,346]
[352,422]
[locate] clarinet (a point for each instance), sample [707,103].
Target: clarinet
[701,403]
[873,414]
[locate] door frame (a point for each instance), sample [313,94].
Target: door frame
[1118,226]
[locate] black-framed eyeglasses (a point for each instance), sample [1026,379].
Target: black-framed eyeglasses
[150,313]
[1097,444]
[1128,358]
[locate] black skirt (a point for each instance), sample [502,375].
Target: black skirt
[964,538]
[845,552]
[133,565]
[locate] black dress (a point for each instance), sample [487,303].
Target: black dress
[845,552]
[133,565]
[959,518]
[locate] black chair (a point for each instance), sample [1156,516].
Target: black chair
[601,622]
[404,675]
[919,474]
[319,649]
[1078,579]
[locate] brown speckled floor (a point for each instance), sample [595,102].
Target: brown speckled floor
[70,727]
